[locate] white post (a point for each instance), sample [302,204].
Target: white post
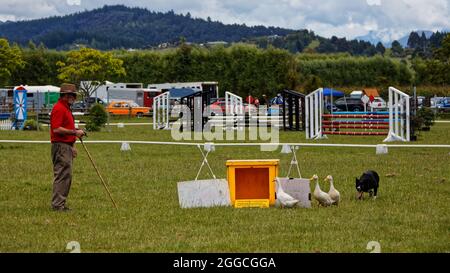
[402,121]
[311,117]
[154,113]
[167,111]
[159,113]
[396,108]
[317,111]
[391,112]
[307,117]
[321,102]
[408,129]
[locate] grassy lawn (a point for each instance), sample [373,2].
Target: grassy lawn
[410,215]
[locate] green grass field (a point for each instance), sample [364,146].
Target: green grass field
[410,215]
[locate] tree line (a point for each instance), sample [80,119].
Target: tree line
[241,68]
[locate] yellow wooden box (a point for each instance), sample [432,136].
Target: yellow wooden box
[252,181]
[251,203]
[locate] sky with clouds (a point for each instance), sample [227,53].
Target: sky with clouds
[389,19]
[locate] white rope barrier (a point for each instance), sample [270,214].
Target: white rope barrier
[239,144]
[115,124]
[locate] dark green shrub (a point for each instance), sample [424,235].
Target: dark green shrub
[97,118]
[30,125]
[423,120]
[427,115]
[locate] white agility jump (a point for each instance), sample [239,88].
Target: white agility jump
[234,104]
[399,116]
[313,114]
[395,123]
[161,110]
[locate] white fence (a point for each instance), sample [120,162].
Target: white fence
[5,124]
[161,110]
[313,114]
[399,116]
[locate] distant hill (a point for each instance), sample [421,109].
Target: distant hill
[123,27]
[115,27]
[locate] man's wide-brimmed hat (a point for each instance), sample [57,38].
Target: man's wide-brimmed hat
[68,88]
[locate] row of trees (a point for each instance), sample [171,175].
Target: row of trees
[423,47]
[435,70]
[362,71]
[240,68]
[419,46]
[307,41]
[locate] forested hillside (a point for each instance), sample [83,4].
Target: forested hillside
[122,27]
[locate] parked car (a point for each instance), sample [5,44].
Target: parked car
[328,107]
[79,106]
[93,100]
[378,104]
[127,108]
[443,105]
[349,104]
[218,107]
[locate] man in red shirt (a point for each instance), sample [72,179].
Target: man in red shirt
[63,136]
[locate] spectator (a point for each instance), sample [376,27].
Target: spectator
[256,102]
[263,100]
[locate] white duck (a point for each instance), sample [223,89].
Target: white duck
[284,199]
[321,196]
[333,193]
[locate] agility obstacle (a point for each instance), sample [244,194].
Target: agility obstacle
[293,110]
[234,104]
[196,101]
[395,124]
[313,114]
[399,116]
[161,110]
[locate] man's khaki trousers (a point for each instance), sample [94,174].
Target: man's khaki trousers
[62,157]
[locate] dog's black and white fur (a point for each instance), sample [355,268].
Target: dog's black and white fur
[368,182]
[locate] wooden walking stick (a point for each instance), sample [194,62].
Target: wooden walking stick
[99,175]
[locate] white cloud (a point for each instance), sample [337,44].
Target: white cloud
[74,2]
[374,2]
[351,18]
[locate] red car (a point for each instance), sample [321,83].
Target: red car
[219,107]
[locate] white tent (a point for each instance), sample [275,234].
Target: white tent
[41,96]
[41,89]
